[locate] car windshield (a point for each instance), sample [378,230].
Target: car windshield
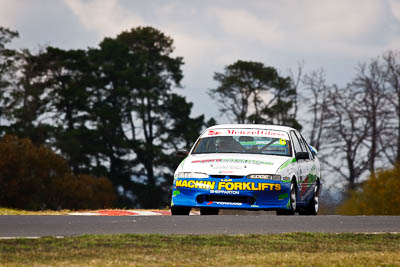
[243,144]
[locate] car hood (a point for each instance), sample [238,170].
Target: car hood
[234,164]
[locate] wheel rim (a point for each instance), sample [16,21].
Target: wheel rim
[293,197]
[316,198]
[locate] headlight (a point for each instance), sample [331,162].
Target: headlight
[265,176]
[198,175]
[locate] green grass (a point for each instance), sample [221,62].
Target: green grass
[9,211]
[299,249]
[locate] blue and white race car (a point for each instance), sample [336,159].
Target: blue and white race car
[251,167]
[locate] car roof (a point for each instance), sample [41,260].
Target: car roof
[251,126]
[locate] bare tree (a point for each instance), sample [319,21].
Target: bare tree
[346,134]
[370,83]
[296,78]
[315,97]
[391,140]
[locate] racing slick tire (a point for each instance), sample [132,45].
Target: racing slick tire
[176,210]
[209,211]
[293,197]
[312,207]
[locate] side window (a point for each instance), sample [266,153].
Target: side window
[296,144]
[303,140]
[303,146]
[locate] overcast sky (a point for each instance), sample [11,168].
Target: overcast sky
[334,35]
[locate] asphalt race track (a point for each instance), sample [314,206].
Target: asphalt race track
[36,226]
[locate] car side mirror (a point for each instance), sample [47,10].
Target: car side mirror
[302,155]
[313,150]
[182,153]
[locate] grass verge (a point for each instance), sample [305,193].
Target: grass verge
[298,249]
[8,211]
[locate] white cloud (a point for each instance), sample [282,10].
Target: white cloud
[107,18]
[395,7]
[243,24]
[212,34]
[349,28]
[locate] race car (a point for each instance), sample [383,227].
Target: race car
[250,167]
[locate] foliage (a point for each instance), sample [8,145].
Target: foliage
[8,67]
[250,92]
[136,112]
[34,177]
[109,111]
[379,195]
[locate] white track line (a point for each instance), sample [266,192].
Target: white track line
[134,213]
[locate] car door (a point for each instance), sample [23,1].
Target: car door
[297,148]
[304,165]
[311,171]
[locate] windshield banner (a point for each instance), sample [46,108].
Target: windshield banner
[246,132]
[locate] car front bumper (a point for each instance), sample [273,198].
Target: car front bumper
[252,194]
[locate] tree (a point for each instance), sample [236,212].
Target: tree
[25,107]
[34,177]
[65,76]
[8,66]
[134,109]
[315,97]
[390,141]
[110,111]
[370,82]
[346,134]
[250,92]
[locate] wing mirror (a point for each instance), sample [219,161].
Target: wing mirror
[313,150]
[182,153]
[302,155]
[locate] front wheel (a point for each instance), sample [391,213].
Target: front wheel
[313,205]
[209,211]
[292,203]
[176,210]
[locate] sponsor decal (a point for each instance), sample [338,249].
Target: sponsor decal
[225,203]
[222,192]
[235,167]
[195,184]
[206,161]
[243,161]
[229,203]
[249,186]
[228,186]
[212,132]
[289,161]
[282,143]
[283,196]
[248,132]
[176,192]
